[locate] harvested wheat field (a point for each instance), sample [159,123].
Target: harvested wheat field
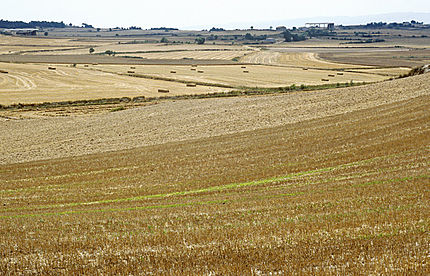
[37,139]
[293,58]
[133,49]
[36,83]
[192,54]
[330,182]
[249,75]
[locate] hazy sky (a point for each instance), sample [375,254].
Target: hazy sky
[187,13]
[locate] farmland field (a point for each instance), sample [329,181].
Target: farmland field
[298,59]
[408,58]
[255,75]
[273,199]
[195,54]
[33,83]
[277,177]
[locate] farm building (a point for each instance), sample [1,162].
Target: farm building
[269,40]
[281,28]
[20,31]
[328,26]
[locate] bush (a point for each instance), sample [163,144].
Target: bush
[200,40]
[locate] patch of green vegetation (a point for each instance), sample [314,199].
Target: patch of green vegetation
[119,108]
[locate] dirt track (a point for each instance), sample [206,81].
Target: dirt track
[37,139]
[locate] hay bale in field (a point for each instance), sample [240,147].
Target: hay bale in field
[191,85]
[3,72]
[200,71]
[193,69]
[325,80]
[163,91]
[193,65]
[340,74]
[86,65]
[305,69]
[243,67]
[52,68]
[246,71]
[95,64]
[332,76]
[173,72]
[130,72]
[132,67]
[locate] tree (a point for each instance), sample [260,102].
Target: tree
[249,36]
[45,33]
[164,40]
[91,50]
[287,36]
[200,40]
[252,27]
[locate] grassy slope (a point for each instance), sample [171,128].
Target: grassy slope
[345,193]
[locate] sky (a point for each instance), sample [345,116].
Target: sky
[188,14]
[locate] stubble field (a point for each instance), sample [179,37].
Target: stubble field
[277,199]
[332,181]
[35,83]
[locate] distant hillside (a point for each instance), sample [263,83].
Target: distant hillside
[338,20]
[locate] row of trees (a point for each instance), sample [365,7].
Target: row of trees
[32,24]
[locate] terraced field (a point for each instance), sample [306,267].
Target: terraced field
[32,83]
[336,194]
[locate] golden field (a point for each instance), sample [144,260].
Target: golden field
[35,83]
[256,75]
[276,199]
[260,181]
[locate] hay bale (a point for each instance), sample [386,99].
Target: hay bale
[132,67]
[191,85]
[340,74]
[52,68]
[305,69]
[325,80]
[4,72]
[193,69]
[200,71]
[163,91]
[332,76]
[86,65]
[243,67]
[246,71]
[95,64]
[193,65]
[130,72]
[173,72]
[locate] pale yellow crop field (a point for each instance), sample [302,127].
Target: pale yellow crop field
[193,54]
[257,76]
[135,49]
[34,83]
[298,59]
